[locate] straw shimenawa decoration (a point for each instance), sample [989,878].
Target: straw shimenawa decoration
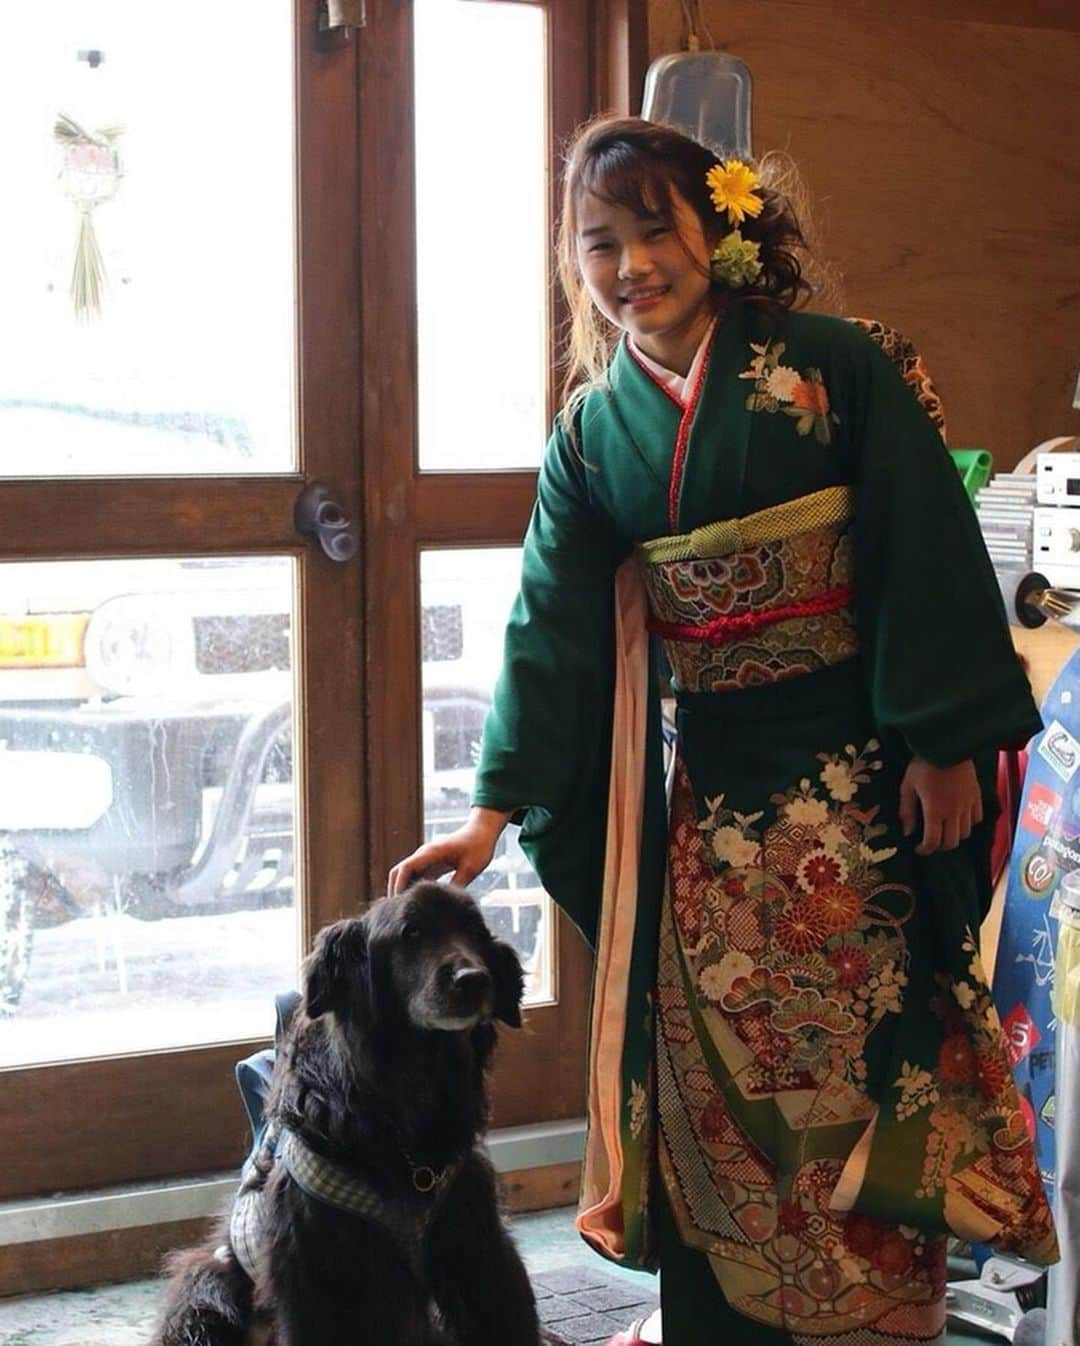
[90,173]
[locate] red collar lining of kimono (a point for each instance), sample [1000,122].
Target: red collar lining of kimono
[665,388]
[678,460]
[722,630]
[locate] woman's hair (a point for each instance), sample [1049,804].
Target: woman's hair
[633,163]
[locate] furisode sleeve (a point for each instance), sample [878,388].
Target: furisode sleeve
[547,737]
[940,662]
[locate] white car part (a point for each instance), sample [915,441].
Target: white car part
[54,790]
[135,647]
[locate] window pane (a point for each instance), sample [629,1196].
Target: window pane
[146,803]
[163,149]
[465,600]
[482,233]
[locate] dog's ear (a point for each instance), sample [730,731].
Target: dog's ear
[339,948]
[509,979]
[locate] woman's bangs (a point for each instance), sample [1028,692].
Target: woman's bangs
[620,177]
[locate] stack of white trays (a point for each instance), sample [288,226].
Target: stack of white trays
[1006,511]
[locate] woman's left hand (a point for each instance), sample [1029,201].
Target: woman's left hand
[949,798]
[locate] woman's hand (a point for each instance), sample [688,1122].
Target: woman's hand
[467,852]
[950,800]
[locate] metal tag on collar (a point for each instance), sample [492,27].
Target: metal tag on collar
[425,1178]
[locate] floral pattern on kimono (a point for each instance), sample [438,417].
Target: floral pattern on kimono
[778,387]
[780,953]
[785,952]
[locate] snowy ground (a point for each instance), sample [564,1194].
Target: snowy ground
[112,984]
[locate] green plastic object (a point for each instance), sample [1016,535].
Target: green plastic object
[974,466]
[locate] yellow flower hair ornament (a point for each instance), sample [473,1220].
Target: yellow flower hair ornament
[735,260]
[732,186]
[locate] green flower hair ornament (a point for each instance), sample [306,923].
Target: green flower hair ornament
[735,261]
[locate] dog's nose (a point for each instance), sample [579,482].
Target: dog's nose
[471,983]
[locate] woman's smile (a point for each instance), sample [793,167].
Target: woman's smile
[646,297]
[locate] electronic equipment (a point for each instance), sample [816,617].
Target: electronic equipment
[1057,479]
[1055,550]
[1031,525]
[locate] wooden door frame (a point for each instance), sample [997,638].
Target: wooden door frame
[602,43]
[595,47]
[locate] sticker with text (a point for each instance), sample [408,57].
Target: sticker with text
[1041,809]
[1021,1034]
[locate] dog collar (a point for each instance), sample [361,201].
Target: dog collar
[425,1178]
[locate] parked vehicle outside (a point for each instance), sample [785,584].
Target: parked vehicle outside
[146,756]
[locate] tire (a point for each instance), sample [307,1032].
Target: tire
[16,932]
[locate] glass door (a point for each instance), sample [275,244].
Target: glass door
[466,107]
[177,363]
[239,258]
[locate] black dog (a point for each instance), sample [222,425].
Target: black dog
[375,1215]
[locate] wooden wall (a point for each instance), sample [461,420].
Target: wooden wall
[940,153]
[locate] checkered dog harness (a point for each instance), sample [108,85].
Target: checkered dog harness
[320,1178]
[323,1180]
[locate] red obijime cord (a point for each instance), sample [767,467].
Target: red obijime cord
[723,630]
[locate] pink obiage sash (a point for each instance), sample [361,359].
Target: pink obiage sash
[600,1217]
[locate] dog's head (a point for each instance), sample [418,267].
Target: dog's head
[424,957]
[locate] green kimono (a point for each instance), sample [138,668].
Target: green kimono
[808,1077]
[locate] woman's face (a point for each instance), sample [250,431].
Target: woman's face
[648,278]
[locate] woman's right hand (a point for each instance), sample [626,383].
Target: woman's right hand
[466,852]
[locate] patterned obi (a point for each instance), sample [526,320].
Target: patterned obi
[758,599]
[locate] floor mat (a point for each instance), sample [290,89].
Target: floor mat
[584,1306]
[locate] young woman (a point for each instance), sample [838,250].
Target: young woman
[798,1083]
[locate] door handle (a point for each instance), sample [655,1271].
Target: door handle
[318,515]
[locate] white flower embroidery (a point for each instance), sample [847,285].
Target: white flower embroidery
[837,779]
[833,838]
[876,857]
[964,995]
[782,382]
[812,812]
[730,845]
[718,978]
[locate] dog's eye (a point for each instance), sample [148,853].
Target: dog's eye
[411,931]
